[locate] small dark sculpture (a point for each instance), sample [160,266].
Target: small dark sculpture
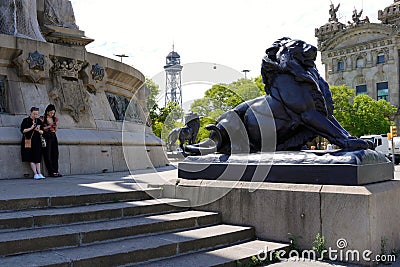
[188,133]
[298,107]
[356,18]
[332,12]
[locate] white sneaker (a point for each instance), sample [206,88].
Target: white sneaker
[36,177]
[41,176]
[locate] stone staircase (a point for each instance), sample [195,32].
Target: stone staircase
[119,229]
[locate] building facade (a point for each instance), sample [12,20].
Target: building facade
[363,55]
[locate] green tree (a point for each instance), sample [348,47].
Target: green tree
[167,119]
[164,119]
[152,98]
[201,106]
[152,105]
[247,89]
[361,114]
[203,132]
[371,116]
[218,99]
[259,83]
[342,98]
[223,97]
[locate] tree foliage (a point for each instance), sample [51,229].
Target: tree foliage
[223,97]
[152,98]
[371,116]
[203,133]
[361,114]
[167,119]
[343,97]
[164,119]
[152,105]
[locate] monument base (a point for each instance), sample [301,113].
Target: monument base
[362,217]
[334,168]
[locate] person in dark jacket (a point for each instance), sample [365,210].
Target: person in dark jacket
[31,145]
[51,150]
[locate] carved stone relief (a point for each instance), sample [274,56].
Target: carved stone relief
[134,113]
[36,61]
[35,66]
[97,72]
[118,105]
[123,109]
[68,92]
[59,13]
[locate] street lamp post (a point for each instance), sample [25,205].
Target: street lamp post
[245,73]
[121,56]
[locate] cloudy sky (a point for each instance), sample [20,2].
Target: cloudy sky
[233,33]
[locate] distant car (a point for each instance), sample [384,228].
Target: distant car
[380,141]
[396,143]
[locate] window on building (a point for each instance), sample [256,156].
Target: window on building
[360,63]
[382,91]
[380,59]
[3,94]
[361,89]
[340,65]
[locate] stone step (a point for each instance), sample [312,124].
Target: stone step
[46,238]
[61,216]
[76,200]
[134,250]
[236,255]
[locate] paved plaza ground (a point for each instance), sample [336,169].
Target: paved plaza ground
[114,182]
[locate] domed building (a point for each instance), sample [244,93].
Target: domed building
[361,54]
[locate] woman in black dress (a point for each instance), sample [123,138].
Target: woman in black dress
[32,128]
[51,150]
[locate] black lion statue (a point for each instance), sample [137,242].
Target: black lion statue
[297,107]
[188,133]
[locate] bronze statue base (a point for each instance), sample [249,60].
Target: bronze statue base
[332,168]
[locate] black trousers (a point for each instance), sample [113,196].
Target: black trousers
[50,153]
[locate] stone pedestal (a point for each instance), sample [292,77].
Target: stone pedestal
[92,139]
[328,167]
[362,215]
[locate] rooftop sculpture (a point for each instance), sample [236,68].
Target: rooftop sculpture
[357,18]
[332,11]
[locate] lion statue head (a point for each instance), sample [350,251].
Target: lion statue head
[297,58]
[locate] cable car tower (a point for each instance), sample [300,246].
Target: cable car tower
[173,86]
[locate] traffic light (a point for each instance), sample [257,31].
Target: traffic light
[393,131]
[389,136]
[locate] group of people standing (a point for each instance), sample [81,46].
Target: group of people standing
[34,129]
